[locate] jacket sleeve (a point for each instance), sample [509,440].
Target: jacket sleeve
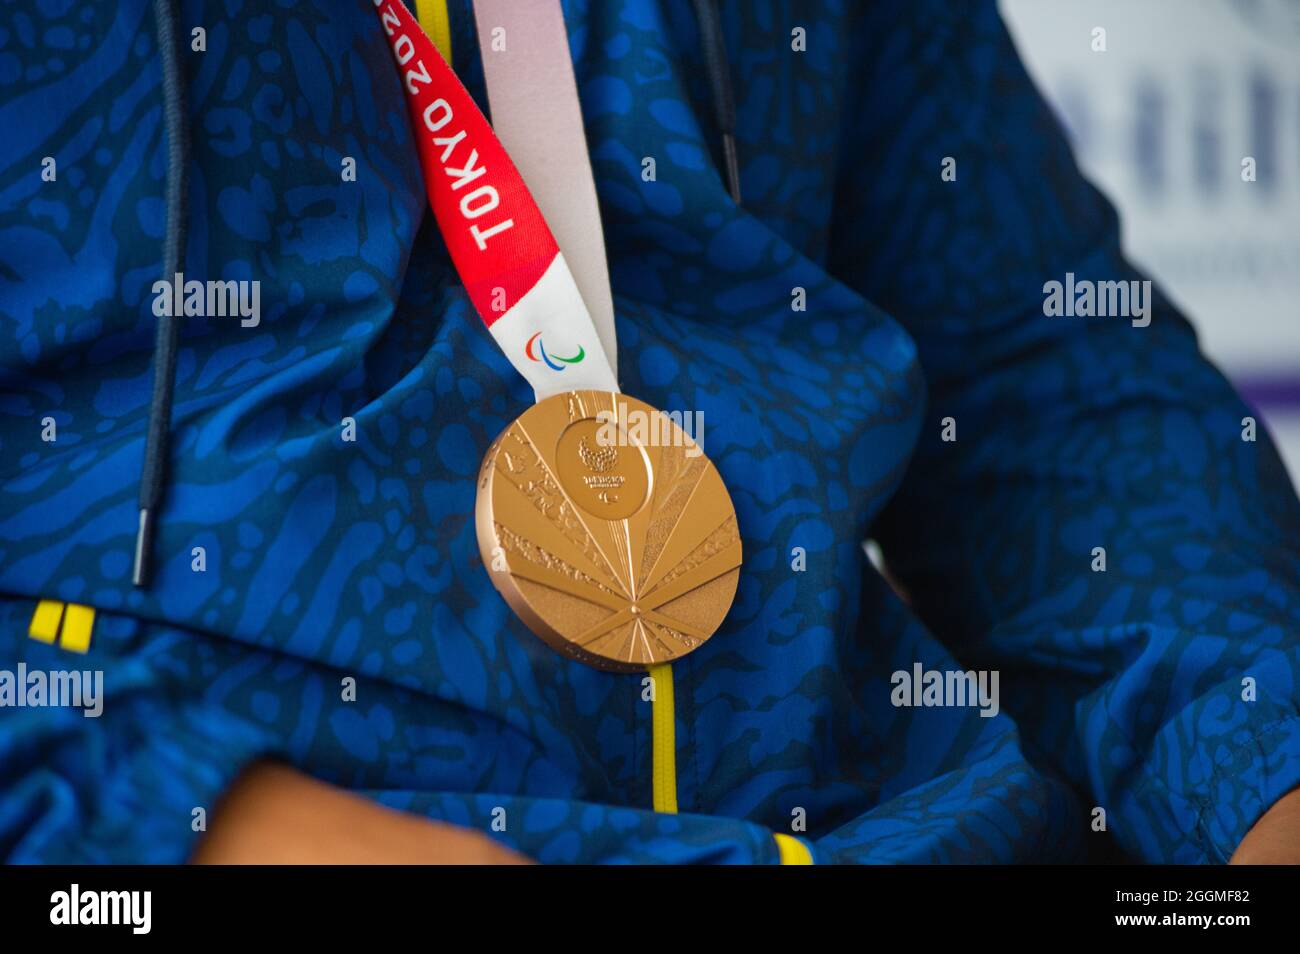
[1097,526]
[134,774]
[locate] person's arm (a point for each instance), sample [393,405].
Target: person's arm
[176,768]
[163,775]
[275,814]
[1163,681]
[1275,838]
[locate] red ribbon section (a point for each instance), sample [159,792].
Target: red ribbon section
[493,229]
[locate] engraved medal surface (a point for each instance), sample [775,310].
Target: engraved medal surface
[607,530]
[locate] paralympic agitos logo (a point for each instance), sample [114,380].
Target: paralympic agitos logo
[538,353]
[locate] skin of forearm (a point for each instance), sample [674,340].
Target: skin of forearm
[1275,838]
[274,814]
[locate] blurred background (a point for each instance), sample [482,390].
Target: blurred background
[1161,122]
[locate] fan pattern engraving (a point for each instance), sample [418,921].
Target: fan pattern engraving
[517,544]
[678,476]
[715,543]
[527,472]
[636,566]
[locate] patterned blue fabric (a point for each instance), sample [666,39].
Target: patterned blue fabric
[326,559]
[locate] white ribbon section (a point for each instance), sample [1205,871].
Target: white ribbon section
[550,339]
[538,118]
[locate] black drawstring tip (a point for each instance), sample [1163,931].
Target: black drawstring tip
[143,542]
[732,166]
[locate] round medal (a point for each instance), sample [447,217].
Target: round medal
[607,530]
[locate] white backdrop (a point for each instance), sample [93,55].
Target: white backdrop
[1161,122]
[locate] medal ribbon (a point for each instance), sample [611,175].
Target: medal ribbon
[502,248]
[533,102]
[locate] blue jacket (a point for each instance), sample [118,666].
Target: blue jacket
[1155,698]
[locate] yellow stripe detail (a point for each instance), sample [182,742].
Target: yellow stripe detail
[793,851]
[45,621]
[663,740]
[433,18]
[77,623]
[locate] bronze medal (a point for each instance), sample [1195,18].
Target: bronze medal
[599,519]
[607,530]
